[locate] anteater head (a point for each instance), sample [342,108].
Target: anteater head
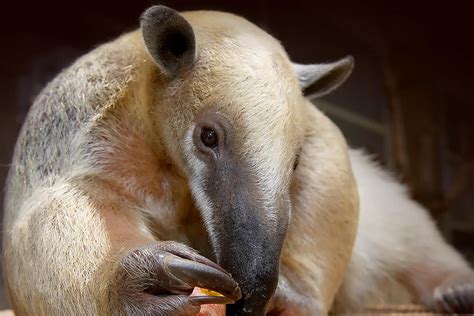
[231,119]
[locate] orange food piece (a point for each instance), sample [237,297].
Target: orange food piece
[207,292]
[209,309]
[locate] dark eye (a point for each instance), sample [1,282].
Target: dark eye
[209,137]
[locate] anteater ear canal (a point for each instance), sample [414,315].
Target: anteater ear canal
[169,39]
[320,79]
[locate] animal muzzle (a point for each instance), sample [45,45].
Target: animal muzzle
[249,248]
[247,230]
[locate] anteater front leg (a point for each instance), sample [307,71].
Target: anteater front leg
[70,254]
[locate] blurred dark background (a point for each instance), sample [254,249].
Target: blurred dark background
[409,101]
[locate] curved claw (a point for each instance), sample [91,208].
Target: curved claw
[186,252]
[201,300]
[197,274]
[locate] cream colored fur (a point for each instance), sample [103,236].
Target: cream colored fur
[399,255]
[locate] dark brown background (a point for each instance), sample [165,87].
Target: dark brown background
[409,100]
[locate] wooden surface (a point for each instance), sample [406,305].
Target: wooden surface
[397,310]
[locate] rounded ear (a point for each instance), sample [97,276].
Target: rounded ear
[169,39]
[321,79]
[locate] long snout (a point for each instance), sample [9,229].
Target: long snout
[247,233]
[252,255]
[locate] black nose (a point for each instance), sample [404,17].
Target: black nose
[257,293]
[246,307]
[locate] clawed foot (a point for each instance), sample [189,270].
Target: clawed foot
[455,296]
[158,279]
